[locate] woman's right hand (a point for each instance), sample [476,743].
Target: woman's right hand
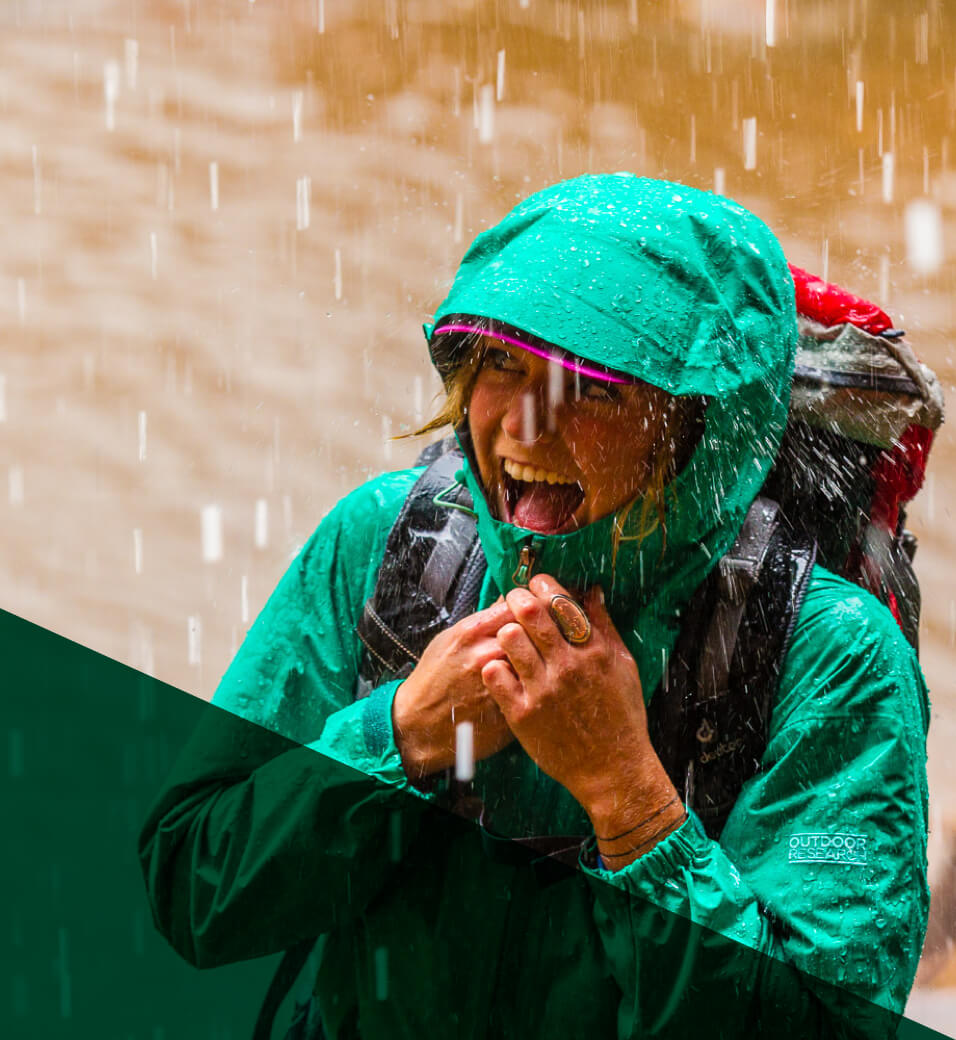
[446,688]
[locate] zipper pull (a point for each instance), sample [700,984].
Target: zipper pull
[522,573]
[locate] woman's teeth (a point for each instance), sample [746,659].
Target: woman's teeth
[532,474]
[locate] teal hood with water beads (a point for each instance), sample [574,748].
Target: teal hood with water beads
[683,289]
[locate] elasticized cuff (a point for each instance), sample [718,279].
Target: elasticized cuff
[377,720]
[654,868]
[361,736]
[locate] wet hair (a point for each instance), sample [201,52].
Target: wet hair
[458,387]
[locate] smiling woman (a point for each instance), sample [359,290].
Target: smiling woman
[556,454]
[662,705]
[561,442]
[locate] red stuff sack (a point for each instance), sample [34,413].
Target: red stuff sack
[863,413]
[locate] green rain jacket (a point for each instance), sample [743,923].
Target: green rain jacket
[813,902]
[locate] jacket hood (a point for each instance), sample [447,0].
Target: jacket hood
[683,289]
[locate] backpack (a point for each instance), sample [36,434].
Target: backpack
[862,417]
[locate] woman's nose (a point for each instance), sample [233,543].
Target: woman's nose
[534,410]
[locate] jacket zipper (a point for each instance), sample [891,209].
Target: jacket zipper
[526,561]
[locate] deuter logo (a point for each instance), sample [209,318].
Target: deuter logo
[828,848]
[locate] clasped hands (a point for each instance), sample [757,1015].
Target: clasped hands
[578,710]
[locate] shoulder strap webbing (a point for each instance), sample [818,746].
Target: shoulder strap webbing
[709,720]
[430,576]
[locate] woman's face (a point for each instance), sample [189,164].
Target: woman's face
[557,450]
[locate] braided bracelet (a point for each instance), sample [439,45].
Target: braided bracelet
[638,826]
[662,833]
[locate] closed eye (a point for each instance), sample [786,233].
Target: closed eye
[503,360]
[588,389]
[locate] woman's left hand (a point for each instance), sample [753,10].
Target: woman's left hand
[578,710]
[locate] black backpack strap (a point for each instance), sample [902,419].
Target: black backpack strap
[430,576]
[710,720]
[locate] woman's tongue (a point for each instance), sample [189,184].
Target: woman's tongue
[544,507]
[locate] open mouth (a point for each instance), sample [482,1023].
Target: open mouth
[538,499]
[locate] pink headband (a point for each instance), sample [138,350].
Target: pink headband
[571,363]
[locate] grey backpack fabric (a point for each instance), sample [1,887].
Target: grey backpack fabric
[709,721]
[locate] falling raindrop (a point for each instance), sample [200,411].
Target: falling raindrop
[244,599]
[555,393]
[153,254]
[297,99]
[456,92]
[922,38]
[337,277]
[750,143]
[261,523]
[391,18]
[464,751]
[214,185]
[888,176]
[486,114]
[111,87]
[3,397]
[924,236]
[719,180]
[303,189]
[529,426]
[141,424]
[771,23]
[459,230]
[194,639]
[859,106]
[320,16]
[500,77]
[210,526]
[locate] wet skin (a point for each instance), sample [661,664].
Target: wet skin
[578,711]
[602,436]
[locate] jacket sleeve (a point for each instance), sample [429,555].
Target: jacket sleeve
[264,833]
[812,907]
